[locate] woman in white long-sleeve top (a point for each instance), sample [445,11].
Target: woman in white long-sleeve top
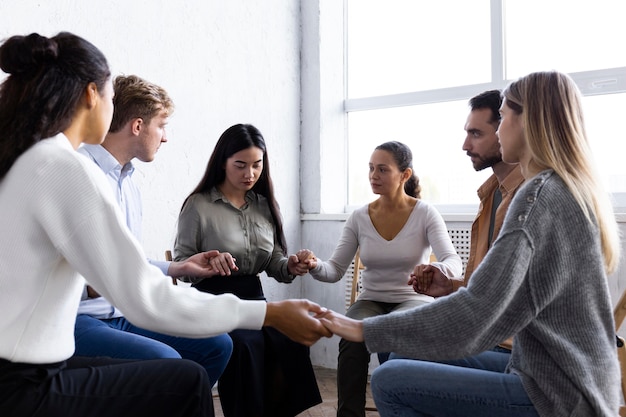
[395,235]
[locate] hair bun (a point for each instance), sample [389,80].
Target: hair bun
[22,54]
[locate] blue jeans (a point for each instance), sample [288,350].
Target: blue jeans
[476,386]
[119,338]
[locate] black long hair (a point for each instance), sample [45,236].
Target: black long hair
[47,78]
[403,158]
[233,140]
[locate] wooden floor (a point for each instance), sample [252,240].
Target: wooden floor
[327,382]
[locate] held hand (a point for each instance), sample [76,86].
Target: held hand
[429,280]
[302,262]
[345,327]
[223,263]
[202,264]
[294,319]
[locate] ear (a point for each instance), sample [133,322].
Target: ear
[136,125]
[408,173]
[91,95]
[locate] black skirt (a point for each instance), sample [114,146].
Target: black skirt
[268,374]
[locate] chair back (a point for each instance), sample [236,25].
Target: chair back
[356,278]
[168,257]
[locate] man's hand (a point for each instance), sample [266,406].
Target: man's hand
[429,280]
[204,264]
[294,319]
[345,327]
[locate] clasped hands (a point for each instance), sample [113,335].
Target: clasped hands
[317,322]
[306,322]
[424,279]
[429,280]
[213,262]
[203,265]
[301,320]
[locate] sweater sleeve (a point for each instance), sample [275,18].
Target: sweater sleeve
[91,235]
[475,318]
[335,268]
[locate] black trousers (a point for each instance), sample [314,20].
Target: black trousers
[104,387]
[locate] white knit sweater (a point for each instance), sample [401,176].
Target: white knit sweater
[58,217]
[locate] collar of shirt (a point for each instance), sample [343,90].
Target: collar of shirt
[487,187]
[510,183]
[107,162]
[216,195]
[119,177]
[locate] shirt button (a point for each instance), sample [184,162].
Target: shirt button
[521,217]
[530,198]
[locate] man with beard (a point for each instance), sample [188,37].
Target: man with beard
[482,146]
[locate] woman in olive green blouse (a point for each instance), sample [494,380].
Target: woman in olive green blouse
[233,210]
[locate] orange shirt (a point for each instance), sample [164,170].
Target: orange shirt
[480,227]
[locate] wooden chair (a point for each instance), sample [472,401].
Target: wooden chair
[356,278]
[619,313]
[168,257]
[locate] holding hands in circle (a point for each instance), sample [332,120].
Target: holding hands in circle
[302,262]
[223,264]
[430,280]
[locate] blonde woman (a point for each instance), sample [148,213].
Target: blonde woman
[558,242]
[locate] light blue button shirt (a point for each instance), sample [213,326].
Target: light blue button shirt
[128,198]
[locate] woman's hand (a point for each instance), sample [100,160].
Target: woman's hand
[302,262]
[297,320]
[203,264]
[429,280]
[345,327]
[223,264]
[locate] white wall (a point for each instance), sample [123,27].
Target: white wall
[222,61]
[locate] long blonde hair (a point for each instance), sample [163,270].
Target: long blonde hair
[550,105]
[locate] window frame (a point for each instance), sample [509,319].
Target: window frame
[595,82]
[325,106]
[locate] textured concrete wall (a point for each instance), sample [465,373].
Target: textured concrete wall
[223,62]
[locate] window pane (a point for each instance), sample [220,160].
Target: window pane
[568,36]
[397,46]
[604,120]
[435,134]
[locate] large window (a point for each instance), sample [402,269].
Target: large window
[413,65]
